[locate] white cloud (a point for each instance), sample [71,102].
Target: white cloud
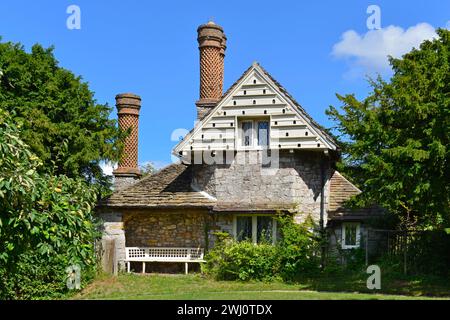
[367,53]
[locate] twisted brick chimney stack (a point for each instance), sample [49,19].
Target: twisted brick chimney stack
[212,44]
[128,106]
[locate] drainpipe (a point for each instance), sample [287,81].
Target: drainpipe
[322,208]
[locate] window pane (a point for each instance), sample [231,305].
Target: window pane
[263,133]
[243,228]
[247,133]
[350,235]
[265,225]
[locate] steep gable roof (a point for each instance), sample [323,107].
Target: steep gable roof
[273,101]
[342,190]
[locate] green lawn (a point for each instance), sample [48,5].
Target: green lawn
[157,286]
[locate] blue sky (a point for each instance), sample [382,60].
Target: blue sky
[150,48]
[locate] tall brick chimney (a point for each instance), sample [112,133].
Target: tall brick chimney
[128,106]
[212,44]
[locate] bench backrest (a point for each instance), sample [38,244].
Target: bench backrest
[163,254]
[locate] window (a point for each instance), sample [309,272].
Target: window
[247,130]
[263,133]
[254,133]
[350,235]
[243,228]
[255,228]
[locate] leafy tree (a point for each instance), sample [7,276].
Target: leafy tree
[397,139]
[46,222]
[61,121]
[147,169]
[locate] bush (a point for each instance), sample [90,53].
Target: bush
[296,253]
[298,248]
[46,223]
[231,260]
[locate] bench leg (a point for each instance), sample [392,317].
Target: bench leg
[143,267]
[186,268]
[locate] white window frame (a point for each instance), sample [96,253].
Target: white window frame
[255,226]
[358,235]
[254,143]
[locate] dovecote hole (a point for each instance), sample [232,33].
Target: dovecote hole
[254,81]
[254,101]
[234,103]
[265,111]
[306,133]
[287,134]
[295,122]
[243,112]
[273,101]
[245,92]
[264,91]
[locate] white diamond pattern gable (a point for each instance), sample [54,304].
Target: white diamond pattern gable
[258,100]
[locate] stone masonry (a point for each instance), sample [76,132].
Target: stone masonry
[295,185]
[166,228]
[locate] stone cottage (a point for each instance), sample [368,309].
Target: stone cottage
[254,152]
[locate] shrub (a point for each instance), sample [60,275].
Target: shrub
[296,253]
[231,260]
[298,248]
[46,223]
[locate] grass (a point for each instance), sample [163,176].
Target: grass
[195,286]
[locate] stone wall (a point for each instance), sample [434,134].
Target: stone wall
[112,234]
[166,228]
[295,182]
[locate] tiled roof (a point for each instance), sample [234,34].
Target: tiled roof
[341,190]
[254,207]
[170,187]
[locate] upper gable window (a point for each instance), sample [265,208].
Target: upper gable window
[247,133]
[263,133]
[254,133]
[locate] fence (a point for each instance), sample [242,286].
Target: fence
[415,252]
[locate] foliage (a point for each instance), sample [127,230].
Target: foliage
[231,260]
[46,222]
[147,168]
[61,121]
[296,252]
[397,139]
[298,248]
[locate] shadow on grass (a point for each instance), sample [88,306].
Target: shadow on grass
[390,284]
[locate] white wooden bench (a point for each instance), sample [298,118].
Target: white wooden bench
[160,254]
